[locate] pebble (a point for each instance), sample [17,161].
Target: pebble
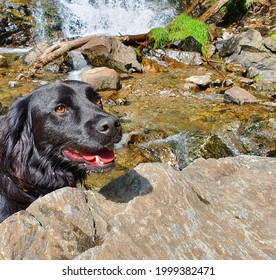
[120,102]
[204,80]
[228,83]
[13,84]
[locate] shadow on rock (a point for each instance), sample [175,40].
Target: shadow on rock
[127,187]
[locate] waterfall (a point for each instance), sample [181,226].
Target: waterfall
[113,17]
[41,22]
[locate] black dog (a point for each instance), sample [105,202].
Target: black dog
[51,139]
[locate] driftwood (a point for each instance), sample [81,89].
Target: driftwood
[213,10]
[191,8]
[56,51]
[133,39]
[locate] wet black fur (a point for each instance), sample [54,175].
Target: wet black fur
[32,136]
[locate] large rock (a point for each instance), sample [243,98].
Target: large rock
[213,209]
[189,44]
[180,149]
[251,37]
[102,78]
[112,53]
[248,49]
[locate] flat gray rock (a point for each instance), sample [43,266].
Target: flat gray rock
[213,209]
[239,96]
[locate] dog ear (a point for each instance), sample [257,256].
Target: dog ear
[16,140]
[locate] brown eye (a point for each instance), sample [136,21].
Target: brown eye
[99,101]
[60,109]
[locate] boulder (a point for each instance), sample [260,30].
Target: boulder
[189,44]
[180,149]
[110,52]
[239,96]
[213,209]
[249,49]
[102,78]
[251,37]
[255,135]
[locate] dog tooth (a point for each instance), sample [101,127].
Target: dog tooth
[97,159]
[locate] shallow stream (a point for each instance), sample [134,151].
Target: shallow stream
[164,123]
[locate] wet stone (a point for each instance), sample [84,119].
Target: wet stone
[239,96]
[203,80]
[189,44]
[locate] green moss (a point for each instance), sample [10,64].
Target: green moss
[180,28]
[184,26]
[257,78]
[273,33]
[160,37]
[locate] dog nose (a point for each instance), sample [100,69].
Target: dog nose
[108,126]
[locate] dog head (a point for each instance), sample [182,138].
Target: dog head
[60,128]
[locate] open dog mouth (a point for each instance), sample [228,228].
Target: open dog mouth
[101,160]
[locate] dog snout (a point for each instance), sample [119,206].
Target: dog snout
[109,126]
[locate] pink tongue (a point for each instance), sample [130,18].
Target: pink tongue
[104,156]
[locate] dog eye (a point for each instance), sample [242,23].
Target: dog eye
[99,101]
[60,109]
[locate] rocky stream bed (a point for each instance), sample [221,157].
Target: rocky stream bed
[180,110]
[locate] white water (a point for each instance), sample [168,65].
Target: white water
[41,22]
[113,17]
[14,50]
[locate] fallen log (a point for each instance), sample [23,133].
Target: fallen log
[56,51]
[133,40]
[213,10]
[192,7]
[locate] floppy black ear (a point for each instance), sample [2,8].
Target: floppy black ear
[16,140]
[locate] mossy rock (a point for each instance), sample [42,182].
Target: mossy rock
[180,28]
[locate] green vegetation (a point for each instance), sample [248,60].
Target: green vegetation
[180,28]
[184,26]
[273,33]
[160,36]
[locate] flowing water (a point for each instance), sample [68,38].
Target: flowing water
[113,17]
